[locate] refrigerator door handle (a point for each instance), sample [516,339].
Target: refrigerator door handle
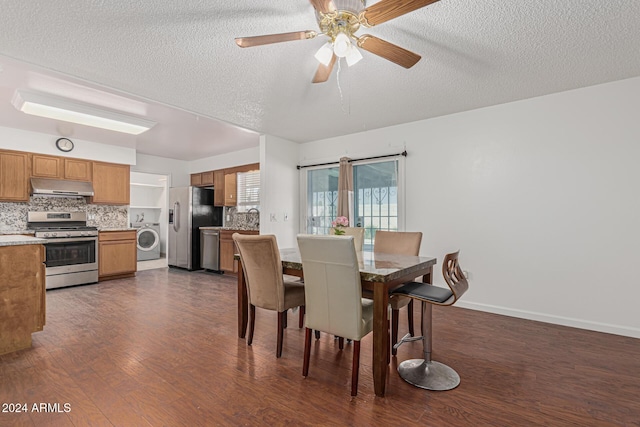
[176,216]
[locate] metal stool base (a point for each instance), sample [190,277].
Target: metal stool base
[428,375]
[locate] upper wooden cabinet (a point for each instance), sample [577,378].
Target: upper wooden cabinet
[110,184]
[224,183]
[77,169]
[14,176]
[202,179]
[218,185]
[230,189]
[43,166]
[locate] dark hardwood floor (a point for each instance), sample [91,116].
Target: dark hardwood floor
[162,349]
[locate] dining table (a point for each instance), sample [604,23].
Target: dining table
[380,273]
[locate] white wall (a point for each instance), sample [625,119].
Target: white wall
[279,184]
[540,196]
[236,158]
[35,142]
[178,170]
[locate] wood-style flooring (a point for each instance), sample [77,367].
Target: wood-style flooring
[161,349]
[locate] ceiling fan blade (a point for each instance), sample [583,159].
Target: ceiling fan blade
[389,51]
[324,71]
[386,10]
[323,6]
[275,38]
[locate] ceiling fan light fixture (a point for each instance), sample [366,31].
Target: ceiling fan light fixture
[341,45]
[353,56]
[324,54]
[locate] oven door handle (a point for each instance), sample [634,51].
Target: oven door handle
[70,239]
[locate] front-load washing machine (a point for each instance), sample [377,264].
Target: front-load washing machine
[148,240]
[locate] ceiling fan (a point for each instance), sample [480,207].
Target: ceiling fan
[340,20]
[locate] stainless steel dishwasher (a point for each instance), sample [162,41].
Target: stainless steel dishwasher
[210,249]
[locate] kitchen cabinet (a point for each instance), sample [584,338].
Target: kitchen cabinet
[196,179]
[218,188]
[43,166]
[228,250]
[77,169]
[14,176]
[202,179]
[22,295]
[110,184]
[230,189]
[117,254]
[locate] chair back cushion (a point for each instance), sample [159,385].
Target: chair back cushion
[333,292]
[262,270]
[398,242]
[356,232]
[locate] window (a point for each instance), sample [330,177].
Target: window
[248,187]
[376,201]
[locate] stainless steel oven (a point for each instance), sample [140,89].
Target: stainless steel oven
[71,247]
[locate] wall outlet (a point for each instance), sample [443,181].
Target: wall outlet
[273,217]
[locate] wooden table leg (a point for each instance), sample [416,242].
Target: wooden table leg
[380,337]
[243,311]
[428,277]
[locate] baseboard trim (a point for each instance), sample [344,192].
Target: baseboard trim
[556,320]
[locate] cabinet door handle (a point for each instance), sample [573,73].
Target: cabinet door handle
[176,216]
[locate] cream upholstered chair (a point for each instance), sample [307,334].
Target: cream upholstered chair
[426,373]
[266,286]
[333,294]
[356,232]
[401,243]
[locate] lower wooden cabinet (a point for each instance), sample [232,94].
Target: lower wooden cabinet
[22,295]
[228,250]
[117,254]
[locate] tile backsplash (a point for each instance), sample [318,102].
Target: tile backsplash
[13,216]
[241,220]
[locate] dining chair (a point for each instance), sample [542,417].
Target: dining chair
[401,243]
[426,373]
[267,288]
[356,232]
[333,294]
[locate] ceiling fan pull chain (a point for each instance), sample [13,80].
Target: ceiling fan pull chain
[340,87]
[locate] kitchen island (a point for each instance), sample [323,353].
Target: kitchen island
[22,290]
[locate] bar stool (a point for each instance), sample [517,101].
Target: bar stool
[426,373]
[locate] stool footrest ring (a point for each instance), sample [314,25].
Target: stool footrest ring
[406,338]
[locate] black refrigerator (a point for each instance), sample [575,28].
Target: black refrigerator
[189,209]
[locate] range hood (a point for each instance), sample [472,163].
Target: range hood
[60,187]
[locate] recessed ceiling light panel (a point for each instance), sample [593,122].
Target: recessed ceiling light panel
[67,110]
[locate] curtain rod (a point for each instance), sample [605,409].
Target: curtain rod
[404,153]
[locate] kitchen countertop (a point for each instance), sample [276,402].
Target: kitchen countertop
[117,229]
[15,240]
[231,228]
[12,232]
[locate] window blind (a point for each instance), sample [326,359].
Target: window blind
[248,190]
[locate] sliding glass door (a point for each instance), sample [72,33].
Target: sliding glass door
[376,197]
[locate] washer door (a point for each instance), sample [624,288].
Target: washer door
[148,239]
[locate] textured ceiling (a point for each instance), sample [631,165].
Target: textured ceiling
[182,54]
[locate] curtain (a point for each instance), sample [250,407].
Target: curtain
[345,190]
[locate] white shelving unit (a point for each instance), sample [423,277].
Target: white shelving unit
[149,194]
